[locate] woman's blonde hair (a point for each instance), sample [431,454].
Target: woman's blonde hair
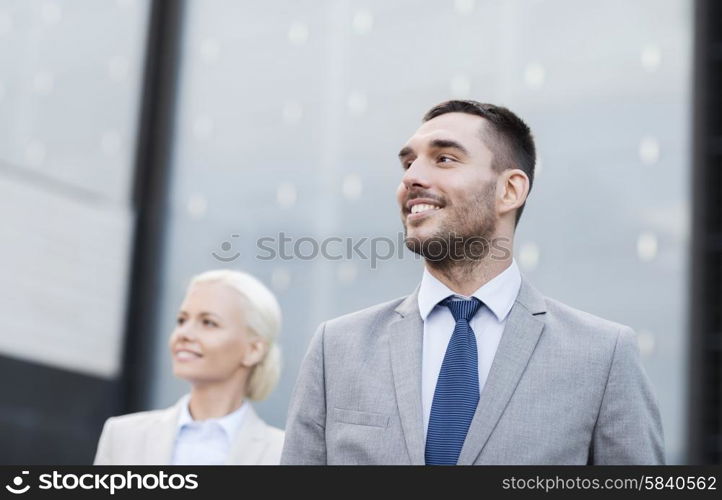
[263,317]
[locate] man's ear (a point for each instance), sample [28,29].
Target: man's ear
[514,185]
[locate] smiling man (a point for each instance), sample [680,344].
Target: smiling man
[476,366]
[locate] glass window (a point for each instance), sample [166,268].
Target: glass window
[291,113]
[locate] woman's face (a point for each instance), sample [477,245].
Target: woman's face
[211,342]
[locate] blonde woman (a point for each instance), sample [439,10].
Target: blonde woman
[224,344]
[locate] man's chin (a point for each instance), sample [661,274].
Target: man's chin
[444,246]
[420,241]
[418,237]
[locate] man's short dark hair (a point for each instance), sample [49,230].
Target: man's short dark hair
[506,135]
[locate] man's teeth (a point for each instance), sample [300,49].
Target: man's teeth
[421,207]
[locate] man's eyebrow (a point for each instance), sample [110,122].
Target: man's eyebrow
[448,144]
[405,151]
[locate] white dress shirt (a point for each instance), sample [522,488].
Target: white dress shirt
[205,442]
[498,296]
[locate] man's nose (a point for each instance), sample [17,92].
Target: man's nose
[416,175]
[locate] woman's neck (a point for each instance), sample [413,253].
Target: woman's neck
[216,400]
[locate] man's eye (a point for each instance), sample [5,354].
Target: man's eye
[445,159]
[208,322]
[180,321]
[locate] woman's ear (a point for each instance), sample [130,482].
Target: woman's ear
[255,352]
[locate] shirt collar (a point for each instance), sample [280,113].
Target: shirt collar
[229,423]
[498,294]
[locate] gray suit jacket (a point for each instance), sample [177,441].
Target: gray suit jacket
[148,438]
[565,387]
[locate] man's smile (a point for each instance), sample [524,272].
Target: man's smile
[420,208]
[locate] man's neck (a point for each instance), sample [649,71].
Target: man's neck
[466,277]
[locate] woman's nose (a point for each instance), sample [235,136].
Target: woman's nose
[186,331]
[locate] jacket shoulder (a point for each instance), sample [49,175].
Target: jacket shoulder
[580,330]
[138,419]
[363,319]
[577,317]
[123,433]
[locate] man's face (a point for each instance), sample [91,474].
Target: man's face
[449,187]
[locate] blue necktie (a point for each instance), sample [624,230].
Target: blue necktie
[457,389]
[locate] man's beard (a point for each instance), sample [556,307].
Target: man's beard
[464,240]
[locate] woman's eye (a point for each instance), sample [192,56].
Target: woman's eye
[208,322]
[180,321]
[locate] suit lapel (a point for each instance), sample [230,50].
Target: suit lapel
[161,435]
[517,343]
[405,333]
[250,442]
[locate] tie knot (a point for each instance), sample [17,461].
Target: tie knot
[462,309]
